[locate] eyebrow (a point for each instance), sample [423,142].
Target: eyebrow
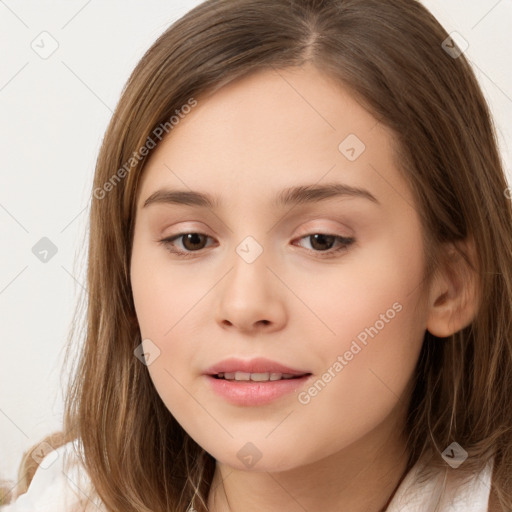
[302,194]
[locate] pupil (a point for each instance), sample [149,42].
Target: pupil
[194,238]
[322,238]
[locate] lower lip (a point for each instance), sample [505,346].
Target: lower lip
[248,392]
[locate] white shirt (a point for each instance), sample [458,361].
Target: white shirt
[56,488]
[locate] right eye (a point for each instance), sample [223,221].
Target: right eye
[191,241]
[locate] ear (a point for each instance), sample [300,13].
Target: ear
[453,297]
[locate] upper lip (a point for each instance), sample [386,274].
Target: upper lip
[257,365]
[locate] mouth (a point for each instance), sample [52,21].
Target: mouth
[258,369]
[254,382]
[257,377]
[248,389]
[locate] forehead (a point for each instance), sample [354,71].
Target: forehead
[269,131]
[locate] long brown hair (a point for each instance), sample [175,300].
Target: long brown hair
[393,57]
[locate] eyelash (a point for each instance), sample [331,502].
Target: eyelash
[345,243]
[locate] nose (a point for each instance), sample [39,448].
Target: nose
[251,298]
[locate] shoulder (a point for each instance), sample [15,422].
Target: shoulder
[444,489]
[60,484]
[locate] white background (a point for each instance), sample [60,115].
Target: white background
[54,113]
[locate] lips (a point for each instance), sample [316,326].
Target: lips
[255,382]
[257,365]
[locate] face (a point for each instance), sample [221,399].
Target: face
[330,286]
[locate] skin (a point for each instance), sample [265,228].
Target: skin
[245,143]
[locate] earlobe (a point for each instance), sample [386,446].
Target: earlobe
[453,301]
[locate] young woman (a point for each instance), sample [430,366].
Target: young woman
[299,278]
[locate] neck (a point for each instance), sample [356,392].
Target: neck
[361,478]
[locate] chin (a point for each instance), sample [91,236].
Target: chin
[259,456]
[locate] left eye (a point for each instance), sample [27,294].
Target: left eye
[193,242]
[191,239]
[321,239]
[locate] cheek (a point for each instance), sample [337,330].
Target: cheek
[365,374]
[164,292]
[378,325]
[166,301]
[374,294]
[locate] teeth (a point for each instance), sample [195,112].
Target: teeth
[259,377]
